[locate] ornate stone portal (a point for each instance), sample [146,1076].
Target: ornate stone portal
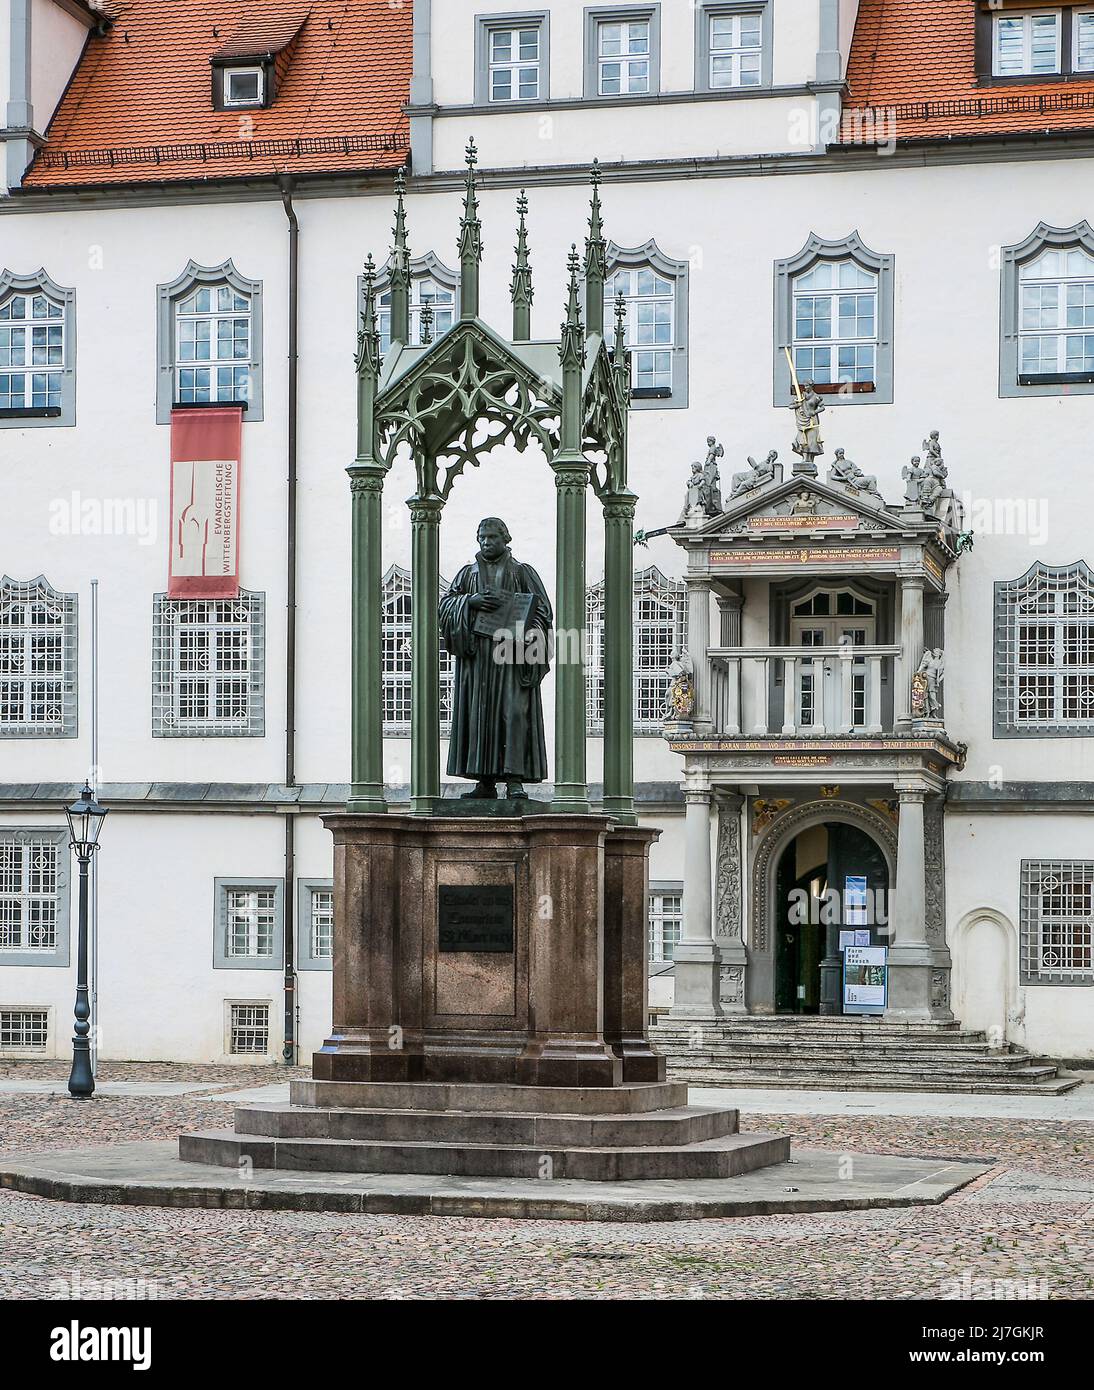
[490,963]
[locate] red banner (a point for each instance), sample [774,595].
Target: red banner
[206,445]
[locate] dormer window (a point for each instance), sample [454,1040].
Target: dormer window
[244,86]
[1026,44]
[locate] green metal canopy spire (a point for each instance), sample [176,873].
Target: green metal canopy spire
[368,338]
[596,260]
[520,290]
[619,354]
[571,348]
[400,267]
[470,243]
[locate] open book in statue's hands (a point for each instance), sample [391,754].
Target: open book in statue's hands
[511,614]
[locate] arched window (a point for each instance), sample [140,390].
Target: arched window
[37,351]
[37,660]
[396,656]
[655,291]
[1047,339]
[1044,653]
[660,631]
[210,340]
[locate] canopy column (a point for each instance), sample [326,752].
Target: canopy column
[618,655]
[571,485]
[425,655]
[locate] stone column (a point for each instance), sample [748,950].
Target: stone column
[619,656]
[909,952]
[425,671]
[698,642]
[911,639]
[696,955]
[571,787]
[366,604]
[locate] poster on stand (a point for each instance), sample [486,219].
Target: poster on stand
[865,979]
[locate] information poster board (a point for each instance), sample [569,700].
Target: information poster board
[865,979]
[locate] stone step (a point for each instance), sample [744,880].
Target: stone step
[863,1067]
[720,1077]
[725,1157]
[462,1096]
[798,1047]
[741,1054]
[875,1036]
[676,1127]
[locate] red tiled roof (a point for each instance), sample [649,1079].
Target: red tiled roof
[258,34]
[139,108]
[917,58]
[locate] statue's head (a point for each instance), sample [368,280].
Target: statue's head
[710,441]
[493,537]
[839,453]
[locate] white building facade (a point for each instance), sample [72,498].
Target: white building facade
[924,285]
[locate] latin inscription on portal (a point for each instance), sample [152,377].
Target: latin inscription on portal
[475,917]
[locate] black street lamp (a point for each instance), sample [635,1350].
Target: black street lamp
[85,819]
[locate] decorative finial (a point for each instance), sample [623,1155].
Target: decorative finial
[400,266]
[521,288]
[619,356]
[571,350]
[427,324]
[368,338]
[596,260]
[470,243]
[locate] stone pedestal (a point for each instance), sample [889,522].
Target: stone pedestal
[503,949]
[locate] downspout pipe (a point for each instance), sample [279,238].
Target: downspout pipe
[289,1049]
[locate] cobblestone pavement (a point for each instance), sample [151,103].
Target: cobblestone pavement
[1024,1230]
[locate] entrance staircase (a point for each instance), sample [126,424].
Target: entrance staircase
[849,1054]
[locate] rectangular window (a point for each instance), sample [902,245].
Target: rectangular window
[665,922]
[1057,921]
[1026,45]
[30,888]
[24,1030]
[213,346]
[1056,317]
[37,661]
[251,922]
[244,86]
[623,57]
[322,923]
[835,324]
[249,1030]
[32,353]
[1082,41]
[735,50]
[513,68]
[208,666]
[651,317]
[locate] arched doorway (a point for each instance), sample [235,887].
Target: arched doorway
[830,877]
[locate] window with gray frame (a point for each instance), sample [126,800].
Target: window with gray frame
[315,923]
[395,658]
[1046,344]
[512,58]
[1044,653]
[834,307]
[622,51]
[37,351]
[208,667]
[1057,922]
[38,668]
[733,46]
[432,284]
[34,896]
[666,917]
[209,341]
[249,924]
[660,631]
[24,1029]
[655,292]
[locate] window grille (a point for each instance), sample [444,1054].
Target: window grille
[1057,921]
[209,666]
[30,889]
[24,1030]
[1044,641]
[250,1029]
[396,656]
[660,631]
[251,915]
[37,661]
[665,923]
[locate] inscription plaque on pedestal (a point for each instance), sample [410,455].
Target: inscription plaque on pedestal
[475,917]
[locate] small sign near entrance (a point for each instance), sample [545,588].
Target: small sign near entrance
[865,979]
[860,936]
[475,917]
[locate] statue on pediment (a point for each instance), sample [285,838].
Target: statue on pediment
[805,504]
[712,480]
[927,685]
[808,445]
[758,475]
[680,696]
[694,499]
[846,472]
[914,475]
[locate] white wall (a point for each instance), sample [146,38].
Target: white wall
[57,40]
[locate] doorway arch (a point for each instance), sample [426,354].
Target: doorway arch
[985,974]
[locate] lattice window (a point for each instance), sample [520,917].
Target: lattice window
[24,1030]
[251,922]
[666,907]
[30,891]
[250,1029]
[395,639]
[37,661]
[1057,921]
[208,667]
[660,631]
[322,923]
[1044,646]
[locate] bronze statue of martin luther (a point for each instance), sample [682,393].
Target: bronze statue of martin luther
[496,621]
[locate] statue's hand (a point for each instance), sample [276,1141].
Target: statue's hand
[487,599]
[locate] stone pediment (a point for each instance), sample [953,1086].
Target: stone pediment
[802,506]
